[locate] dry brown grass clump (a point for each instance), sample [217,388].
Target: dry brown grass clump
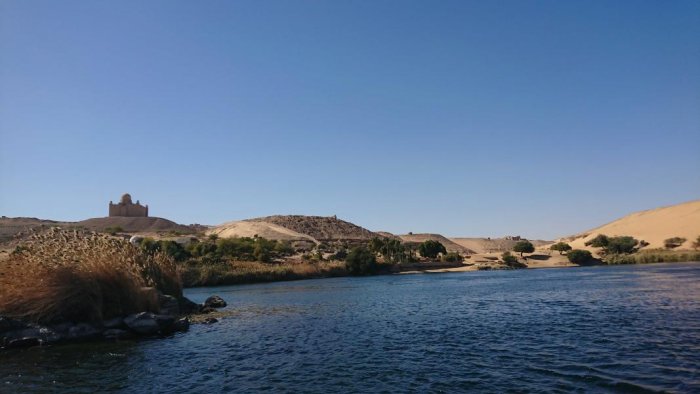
[72,275]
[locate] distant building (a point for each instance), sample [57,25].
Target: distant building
[127,208]
[512,237]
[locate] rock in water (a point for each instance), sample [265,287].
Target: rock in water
[169,305]
[83,331]
[116,333]
[143,323]
[23,342]
[188,306]
[117,322]
[182,324]
[215,302]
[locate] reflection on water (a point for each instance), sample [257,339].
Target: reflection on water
[626,328]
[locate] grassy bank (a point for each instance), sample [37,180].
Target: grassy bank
[60,275]
[242,272]
[652,256]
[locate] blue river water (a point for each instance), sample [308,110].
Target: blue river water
[601,329]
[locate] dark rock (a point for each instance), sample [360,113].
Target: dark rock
[116,333]
[143,323]
[215,302]
[7,324]
[181,325]
[187,306]
[207,309]
[83,331]
[117,322]
[62,328]
[210,320]
[169,305]
[49,336]
[23,342]
[165,321]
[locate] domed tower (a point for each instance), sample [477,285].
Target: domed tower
[127,208]
[126,199]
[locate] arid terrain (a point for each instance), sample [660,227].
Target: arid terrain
[653,226]
[307,232]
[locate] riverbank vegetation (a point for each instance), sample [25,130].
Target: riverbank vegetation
[628,250]
[61,275]
[222,261]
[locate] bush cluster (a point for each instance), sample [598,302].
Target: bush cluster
[361,261]
[579,256]
[214,249]
[561,247]
[614,245]
[523,247]
[674,242]
[431,249]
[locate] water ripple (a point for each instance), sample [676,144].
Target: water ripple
[602,329]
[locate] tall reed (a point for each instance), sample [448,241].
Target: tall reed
[59,275]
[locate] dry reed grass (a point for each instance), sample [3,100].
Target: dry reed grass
[70,275]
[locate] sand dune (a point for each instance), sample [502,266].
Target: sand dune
[267,230]
[491,245]
[316,229]
[449,245]
[653,226]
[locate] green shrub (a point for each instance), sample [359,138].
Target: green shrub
[340,255]
[621,245]
[696,243]
[174,250]
[578,256]
[361,261]
[512,261]
[523,247]
[614,245]
[561,247]
[452,257]
[674,242]
[431,249]
[600,241]
[149,245]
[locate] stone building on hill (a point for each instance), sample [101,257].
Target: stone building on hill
[127,208]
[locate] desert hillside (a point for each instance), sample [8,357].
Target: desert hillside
[449,245]
[491,245]
[295,228]
[10,227]
[134,224]
[653,226]
[244,228]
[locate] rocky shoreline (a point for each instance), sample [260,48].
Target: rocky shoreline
[173,316]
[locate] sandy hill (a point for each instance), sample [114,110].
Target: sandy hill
[294,228]
[653,226]
[244,228]
[491,245]
[134,224]
[449,245]
[9,227]
[321,228]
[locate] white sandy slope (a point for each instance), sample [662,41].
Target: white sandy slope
[653,226]
[262,229]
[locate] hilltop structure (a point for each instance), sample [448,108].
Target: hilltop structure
[127,208]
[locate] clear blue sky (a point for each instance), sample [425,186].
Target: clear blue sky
[471,118]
